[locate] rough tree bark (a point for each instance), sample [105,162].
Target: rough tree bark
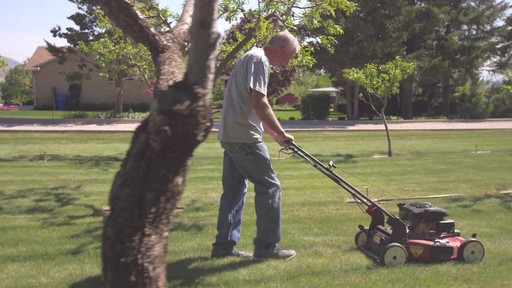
[118,108]
[352,95]
[152,176]
[405,97]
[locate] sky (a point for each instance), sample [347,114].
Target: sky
[25,24]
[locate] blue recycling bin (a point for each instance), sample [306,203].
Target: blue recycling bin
[60,101]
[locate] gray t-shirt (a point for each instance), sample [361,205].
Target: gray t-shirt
[239,122]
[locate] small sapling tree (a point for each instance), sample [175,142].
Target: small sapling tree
[381,82]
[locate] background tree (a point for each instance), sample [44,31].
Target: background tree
[154,172]
[501,100]
[95,35]
[373,33]
[256,25]
[381,82]
[504,46]
[280,79]
[306,79]
[465,40]
[450,41]
[472,100]
[105,47]
[3,63]
[315,106]
[16,89]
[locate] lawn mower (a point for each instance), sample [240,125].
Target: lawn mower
[419,234]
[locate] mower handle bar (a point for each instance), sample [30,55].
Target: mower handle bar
[326,170]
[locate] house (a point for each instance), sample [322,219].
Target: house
[286,99]
[52,90]
[333,91]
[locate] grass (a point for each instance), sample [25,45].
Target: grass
[49,114]
[50,212]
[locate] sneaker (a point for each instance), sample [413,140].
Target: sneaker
[218,252]
[276,253]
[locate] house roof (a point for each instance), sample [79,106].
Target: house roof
[40,57]
[325,89]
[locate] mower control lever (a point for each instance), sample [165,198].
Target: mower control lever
[332,165]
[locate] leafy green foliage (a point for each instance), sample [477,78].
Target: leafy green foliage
[16,88]
[381,81]
[107,48]
[502,101]
[450,41]
[3,63]
[117,52]
[315,106]
[472,101]
[306,79]
[280,79]
[256,25]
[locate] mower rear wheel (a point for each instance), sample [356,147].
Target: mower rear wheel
[471,251]
[393,255]
[360,238]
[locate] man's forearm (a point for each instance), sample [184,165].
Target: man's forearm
[268,118]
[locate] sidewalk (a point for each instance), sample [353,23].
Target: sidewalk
[120,125]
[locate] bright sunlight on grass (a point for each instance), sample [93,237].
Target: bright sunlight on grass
[53,187]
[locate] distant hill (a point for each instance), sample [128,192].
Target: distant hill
[11,62]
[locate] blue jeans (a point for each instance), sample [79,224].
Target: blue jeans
[248,162]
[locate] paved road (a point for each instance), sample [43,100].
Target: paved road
[8,124]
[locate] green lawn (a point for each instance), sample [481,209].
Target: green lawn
[33,114]
[51,220]
[280,114]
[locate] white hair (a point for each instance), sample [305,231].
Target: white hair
[284,38]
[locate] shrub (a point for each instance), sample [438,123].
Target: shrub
[502,105]
[315,106]
[471,101]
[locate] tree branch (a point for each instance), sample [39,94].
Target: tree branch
[224,63]
[185,20]
[201,65]
[124,14]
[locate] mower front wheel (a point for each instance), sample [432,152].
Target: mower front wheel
[471,251]
[393,255]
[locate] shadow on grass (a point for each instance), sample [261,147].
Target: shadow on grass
[185,272]
[93,160]
[91,282]
[504,200]
[34,201]
[182,273]
[55,207]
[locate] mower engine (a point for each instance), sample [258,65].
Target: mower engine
[431,238]
[426,221]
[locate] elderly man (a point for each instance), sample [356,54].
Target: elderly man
[246,114]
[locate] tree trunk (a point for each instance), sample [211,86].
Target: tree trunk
[388,136]
[153,174]
[143,197]
[348,95]
[352,95]
[445,102]
[355,102]
[406,98]
[118,106]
